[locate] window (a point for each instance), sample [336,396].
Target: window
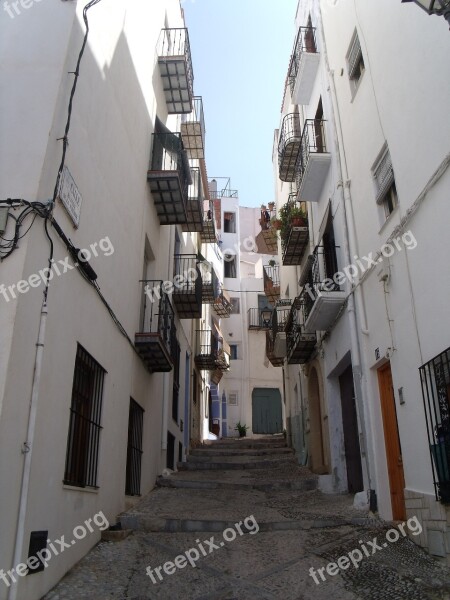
[233,398]
[235,306]
[134,449]
[355,62]
[229,266]
[84,426]
[383,174]
[229,222]
[234,352]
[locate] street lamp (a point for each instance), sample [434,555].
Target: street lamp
[266,316]
[434,7]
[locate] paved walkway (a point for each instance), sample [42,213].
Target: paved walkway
[255,527]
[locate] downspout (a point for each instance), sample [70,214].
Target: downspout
[358,378]
[28,445]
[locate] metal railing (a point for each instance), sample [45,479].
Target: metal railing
[305,42]
[280,318]
[168,154]
[323,266]
[271,276]
[313,142]
[174,43]
[187,275]
[197,115]
[290,132]
[157,315]
[195,188]
[435,380]
[208,344]
[256,320]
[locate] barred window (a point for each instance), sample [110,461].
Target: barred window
[383,174]
[85,417]
[134,449]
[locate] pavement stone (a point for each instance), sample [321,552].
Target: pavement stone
[265,565]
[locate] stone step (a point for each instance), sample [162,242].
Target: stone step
[142,522]
[225,451]
[299,484]
[234,462]
[246,443]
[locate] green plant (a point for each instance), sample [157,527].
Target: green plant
[272,263]
[287,213]
[242,429]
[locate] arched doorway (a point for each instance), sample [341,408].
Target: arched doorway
[317,447]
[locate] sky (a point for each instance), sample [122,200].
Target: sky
[240,54]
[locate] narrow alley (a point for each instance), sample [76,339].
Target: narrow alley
[287,528]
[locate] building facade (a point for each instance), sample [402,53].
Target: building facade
[356,209]
[106,378]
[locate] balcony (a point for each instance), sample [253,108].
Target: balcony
[258,321]
[169,178]
[208,234]
[193,130]
[314,162]
[289,146]
[187,290]
[194,204]
[300,345]
[267,239]
[213,353]
[294,231]
[155,340]
[272,282]
[222,305]
[304,66]
[276,348]
[175,66]
[322,297]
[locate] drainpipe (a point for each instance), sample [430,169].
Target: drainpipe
[28,445]
[358,378]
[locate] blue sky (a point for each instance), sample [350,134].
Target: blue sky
[240,52]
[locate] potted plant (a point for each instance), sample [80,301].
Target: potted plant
[242,429]
[271,262]
[263,207]
[298,217]
[276,223]
[271,205]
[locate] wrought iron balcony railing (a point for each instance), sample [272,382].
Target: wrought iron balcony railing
[321,296]
[212,351]
[435,380]
[187,290]
[300,344]
[194,205]
[208,234]
[193,130]
[272,282]
[294,232]
[258,321]
[157,333]
[289,145]
[275,359]
[303,66]
[169,177]
[175,65]
[313,161]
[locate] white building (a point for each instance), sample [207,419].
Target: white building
[98,386]
[370,160]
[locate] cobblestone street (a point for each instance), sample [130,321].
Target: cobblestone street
[293,528]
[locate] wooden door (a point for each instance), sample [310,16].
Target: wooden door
[351,436]
[392,442]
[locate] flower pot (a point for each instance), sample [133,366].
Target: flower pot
[271,205]
[243,434]
[276,224]
[298,222]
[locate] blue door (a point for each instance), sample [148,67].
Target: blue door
[267,416]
